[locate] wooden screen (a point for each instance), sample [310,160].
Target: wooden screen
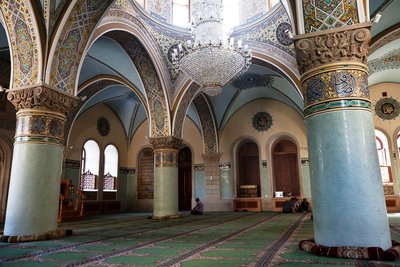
[285,168]
[248,167]
[146,174]
[185,178]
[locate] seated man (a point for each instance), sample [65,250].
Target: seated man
[198,209]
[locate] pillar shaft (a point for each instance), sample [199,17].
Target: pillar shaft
[33,203]
[166,202]
[348,201]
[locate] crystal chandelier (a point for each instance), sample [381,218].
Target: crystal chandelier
[211,60]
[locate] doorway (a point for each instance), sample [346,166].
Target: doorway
[185,178]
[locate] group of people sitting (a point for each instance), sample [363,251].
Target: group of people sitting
[294,205]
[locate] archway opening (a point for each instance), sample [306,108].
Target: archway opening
[185,178]
[248,185]
[286,168]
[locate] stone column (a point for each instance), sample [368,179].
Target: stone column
[33,197]
[348,201]
[166,203]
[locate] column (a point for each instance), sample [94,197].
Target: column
[348,201]
[166,189]
[33,197]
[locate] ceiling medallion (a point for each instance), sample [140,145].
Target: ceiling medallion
[103,126]
[387,108]
[262,121]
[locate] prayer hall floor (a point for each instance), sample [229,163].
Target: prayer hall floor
[213,239]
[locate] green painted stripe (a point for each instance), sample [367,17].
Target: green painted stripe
[338,104]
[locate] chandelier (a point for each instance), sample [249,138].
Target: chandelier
[212,59]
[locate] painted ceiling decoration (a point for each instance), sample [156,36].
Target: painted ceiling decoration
[252,80]
[18,17]
[328,14]
[72,43]
[387,108]
[281,33]
[103,126]
[262,121]
[389,61]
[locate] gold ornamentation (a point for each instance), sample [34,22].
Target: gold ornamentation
[38,126]
[342,44]
[166,158]
[166,142]
[341,82]
[42,98]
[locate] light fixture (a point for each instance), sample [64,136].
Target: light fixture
[2,89]
[289,34]
[83,97]
[210,59]
[377,18]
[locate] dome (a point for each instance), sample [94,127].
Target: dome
[179,12]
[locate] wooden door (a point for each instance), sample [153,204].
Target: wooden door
[285,168]
[185,178]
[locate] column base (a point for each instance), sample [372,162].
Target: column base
[166,217]
[359,253]
[36,237]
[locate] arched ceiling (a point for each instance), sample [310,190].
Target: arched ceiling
[384,58]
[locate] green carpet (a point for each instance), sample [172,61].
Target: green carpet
[213,239]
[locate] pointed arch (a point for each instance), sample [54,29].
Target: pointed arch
[71,41]
[208,127]
[25,42]
[91,88]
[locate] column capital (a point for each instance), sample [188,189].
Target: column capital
[318,49]
[214,157]
[41,97]
[166,142]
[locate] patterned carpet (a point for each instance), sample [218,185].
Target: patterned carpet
[213,239]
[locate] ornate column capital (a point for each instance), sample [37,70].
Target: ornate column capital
[214,157]
[166,142]
[41,97]
[351,43]
[166,150]
[333,67]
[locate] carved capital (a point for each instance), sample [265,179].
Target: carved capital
[211,158]
[350,43]
[167,142]
[42,98]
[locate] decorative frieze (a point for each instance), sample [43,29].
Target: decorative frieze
[211,158]
[166,142]
[42,98]
[314,50]
[166,158]
[72,164]
[38,126]
[127,171]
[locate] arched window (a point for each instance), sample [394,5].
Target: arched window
[90,165]
[181,13]
[110,168]
[382,146]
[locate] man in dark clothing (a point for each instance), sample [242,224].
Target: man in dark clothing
[198,209]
